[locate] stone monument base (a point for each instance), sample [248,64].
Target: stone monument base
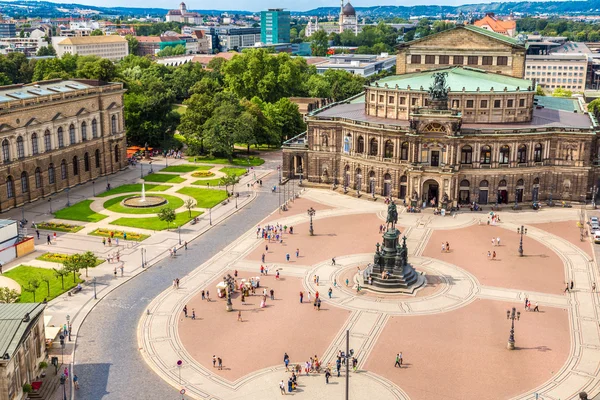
[394,284]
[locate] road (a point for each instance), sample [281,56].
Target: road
[107,359]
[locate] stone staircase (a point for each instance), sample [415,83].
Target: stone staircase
[49,385]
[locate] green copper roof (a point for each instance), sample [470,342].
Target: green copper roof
[458,78]
[495,35]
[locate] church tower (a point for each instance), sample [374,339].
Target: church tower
[341,23]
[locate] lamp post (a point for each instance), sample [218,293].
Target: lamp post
[23,220]
[311,213]
[141,170]
[94,188]
[293,191]
[151,170]
[236,197]
[373,188]
[210,216]
[179,232]
[279,173]
[107,182]
[142,250]
[94,282]
[50,204]
[68,201]
[512,315]
[522,231]
[68,317]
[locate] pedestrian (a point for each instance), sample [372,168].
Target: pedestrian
[214,361]
[240,316]
[49,241]
[0,268]
[347,281]
[122,268]
[318,304]
[262,270]
[489,255]
[38,234]
[338,366]
[301,297]
[536,308]
[443,247]
[220,362]
[571,285]
[185,245]
[317,280]
[447,247]
[526,301]
[297,253]
[207,296]
[266,248]
[124,235]
[115,272]
[109,242]
[400,354]
[333,261]
[498,241]
[287,257]
[76,381]
[54,234]
[493,255]
[380,228]
[272,292]
[203,296]
[327,375]
[354,364]
[286,361]
[493,241]
[66,372]
[193,314]
[176,282]
[117,241]
[308,297]
[277,274]
[282,387]
[566,287]
[263,257]
[185,310]
[329,292]
[593,283]
[397,364]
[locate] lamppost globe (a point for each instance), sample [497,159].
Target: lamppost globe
[311,213]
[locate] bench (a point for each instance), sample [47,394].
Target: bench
[75,290]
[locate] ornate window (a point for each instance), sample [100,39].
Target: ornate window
[484,184]
[75,166]
[404,151]
[20,147]
[47,141]
[389,149]
[504,154]
[537,153]
[373,147]
[360,148]
[38,178]
[116,153]
[502,183]
[486,155]
[520,182]
[34,144]
[113,124]
[536,181]
[24,182]
[86,162]
[522,154]
[72,138]
[465,183]
[97,157]
[466,155]
[94,129]
[63,169]
[61,139]
[10,187]
[51,176]
[434,127]
[5,151]
[83,131]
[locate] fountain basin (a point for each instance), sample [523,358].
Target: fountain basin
[141,202]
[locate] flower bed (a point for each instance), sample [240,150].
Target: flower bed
[136,237]
[59,258]
[59,226]
[203,174]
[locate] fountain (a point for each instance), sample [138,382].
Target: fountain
[143,201]
[143,192]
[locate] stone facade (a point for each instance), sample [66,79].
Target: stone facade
[463,45]
[37,163]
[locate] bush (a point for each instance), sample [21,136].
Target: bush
[203,174]
[43,365]
[60,227]
[27,388]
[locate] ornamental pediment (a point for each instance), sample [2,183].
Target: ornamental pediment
[33,121]
[59,116]
[82,111]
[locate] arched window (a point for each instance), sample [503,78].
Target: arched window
[522,154]
[113,124]
[403,179]
[5,151]
[94,129]
[61,139]
[34,144]
[537,153]
[404,151]
[97,157]
[116,153]
[464,183]
[75,166]
[38,178]
[24,182]
[86,162]
[83,131]
[51,175]
[361,145]
[484,184]
[63,169]
[20,147]
[389,149]
[486,155]
[520,182]
[387,177]
[10,187]
[502,183]
[47,141]
[466,155]
[504,154]
[373,147]
[536,181]
[72,138]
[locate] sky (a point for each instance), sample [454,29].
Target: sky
[257,5]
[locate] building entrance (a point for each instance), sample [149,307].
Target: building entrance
[435,158]
[431,191]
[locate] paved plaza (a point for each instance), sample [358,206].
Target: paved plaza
[453,332]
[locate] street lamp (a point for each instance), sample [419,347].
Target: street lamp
[68,317]
[68,201]
[151,170]
[236,197]
[279,173]
[94,188]
[23,220]
[311,213]
[50,204]
[141,170]
[512,315]
[179,231]
[373,188]
[210,216]
[94,282]
[107,182]
[179,363]
[142,250]
[522,231]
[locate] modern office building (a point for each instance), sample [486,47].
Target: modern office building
[58,134]
[358,64]
[275,26]
[551,71]
[7,30]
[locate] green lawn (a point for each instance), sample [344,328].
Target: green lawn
[205,198]
[23,273]
[134,187]
[186,168]
[115,205]
[164,178]
[80,212]
[60,258]
[59,227]
[233,171]
[239,161]
[208,182]
[179,108]
[153,223]
[134,236]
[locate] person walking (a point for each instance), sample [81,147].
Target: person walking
[193,314]
[400,355]
[338,366]
[287,257]
[571,285]
[593,285]
[282,387]
[286,361]
[38,234]
[185,310]
[333,261]
[318,304]
[203,296]
[207,296]
[397,364]
[498,241]
[214,360]
[220,362]
[263,257]
[49,241]
[330,292]
[489,255]
[494,255]
[115,272]
[327,376]
[76,381]
[448,246]
[526,301]
[536,308]
[443,247]
[301,297]
[272,293]
[566,287]
[493,241]
[240,316]
[297,253]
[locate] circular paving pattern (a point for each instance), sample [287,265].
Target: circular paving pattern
[144,202]
[116,204]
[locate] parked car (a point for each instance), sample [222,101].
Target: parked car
[595,228]
[594,220]
[597,237]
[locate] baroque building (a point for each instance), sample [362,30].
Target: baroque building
[57,134]
[487,139]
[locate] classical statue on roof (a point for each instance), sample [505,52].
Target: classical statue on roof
[439,90]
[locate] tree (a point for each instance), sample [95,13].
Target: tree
[102,69]
[46,51]
[222,129]
[97,32]
[189,204]
[560,92]
[8,295]
[539,91]
[594,106]
[61,273]
[32,286]
[88,260]
[167,214]
[132,43]
[229,180]
[73,264]
[171,51]
[46,280]
[4,79]
[319,43]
